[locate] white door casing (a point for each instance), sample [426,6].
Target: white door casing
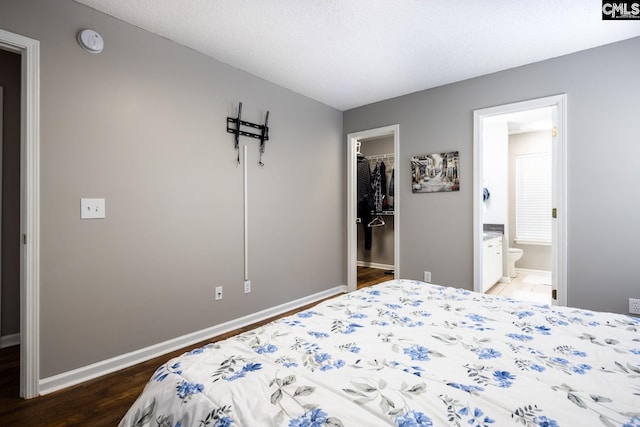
[559,185]
[352,208]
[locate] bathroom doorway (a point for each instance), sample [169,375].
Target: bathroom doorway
[508,141]
[372,148]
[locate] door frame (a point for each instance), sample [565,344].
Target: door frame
[352,205]
[29,50]
[1,180]
[559,186]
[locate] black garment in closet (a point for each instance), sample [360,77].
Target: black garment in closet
[364,213]
[364,180]
[365,198]
[383,185]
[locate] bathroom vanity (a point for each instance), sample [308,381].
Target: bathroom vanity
[491,260]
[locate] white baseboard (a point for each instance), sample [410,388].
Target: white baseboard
[375,265]
[529,271]
[95,370]
[9,340]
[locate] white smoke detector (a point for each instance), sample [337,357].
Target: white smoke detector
[90,41]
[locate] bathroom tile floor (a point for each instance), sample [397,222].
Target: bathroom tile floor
[527,285]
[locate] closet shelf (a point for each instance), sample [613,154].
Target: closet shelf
[382,213]
[381,156]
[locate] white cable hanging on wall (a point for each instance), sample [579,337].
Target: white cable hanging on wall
[263,136]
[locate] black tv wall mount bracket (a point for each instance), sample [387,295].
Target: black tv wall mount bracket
[234,125]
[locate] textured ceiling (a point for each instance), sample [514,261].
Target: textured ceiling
[348,53]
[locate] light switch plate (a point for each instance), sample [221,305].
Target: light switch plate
[92,208]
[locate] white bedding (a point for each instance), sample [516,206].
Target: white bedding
[407,353]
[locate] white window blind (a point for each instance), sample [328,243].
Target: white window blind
[533,198]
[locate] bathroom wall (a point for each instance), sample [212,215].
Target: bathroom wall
[535,257]
[495,171]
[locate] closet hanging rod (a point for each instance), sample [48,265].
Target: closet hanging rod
[380,156]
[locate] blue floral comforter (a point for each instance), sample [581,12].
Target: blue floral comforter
[407,353]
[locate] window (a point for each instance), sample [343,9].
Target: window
[533,198]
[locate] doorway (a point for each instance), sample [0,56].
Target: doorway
[375,146]
[2,343]
[29,51]
[491,139]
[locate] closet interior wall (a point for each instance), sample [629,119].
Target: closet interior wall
[381,254]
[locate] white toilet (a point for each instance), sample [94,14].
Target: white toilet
[514,255]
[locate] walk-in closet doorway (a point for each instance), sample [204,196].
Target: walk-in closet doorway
[375,147]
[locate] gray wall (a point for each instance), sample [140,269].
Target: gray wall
[143,124]
[10,80]
[603,151]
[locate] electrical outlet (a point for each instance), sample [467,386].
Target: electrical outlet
[247,286]
[218,293]
[427,276]
[634,306]
[92,208]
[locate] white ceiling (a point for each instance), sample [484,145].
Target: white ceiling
[524,121]
[348,53]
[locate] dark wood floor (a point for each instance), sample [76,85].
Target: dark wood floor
[103,401]
[370,276]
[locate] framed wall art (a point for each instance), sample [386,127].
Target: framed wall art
[437,172]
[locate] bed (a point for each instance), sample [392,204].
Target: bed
[407,353]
